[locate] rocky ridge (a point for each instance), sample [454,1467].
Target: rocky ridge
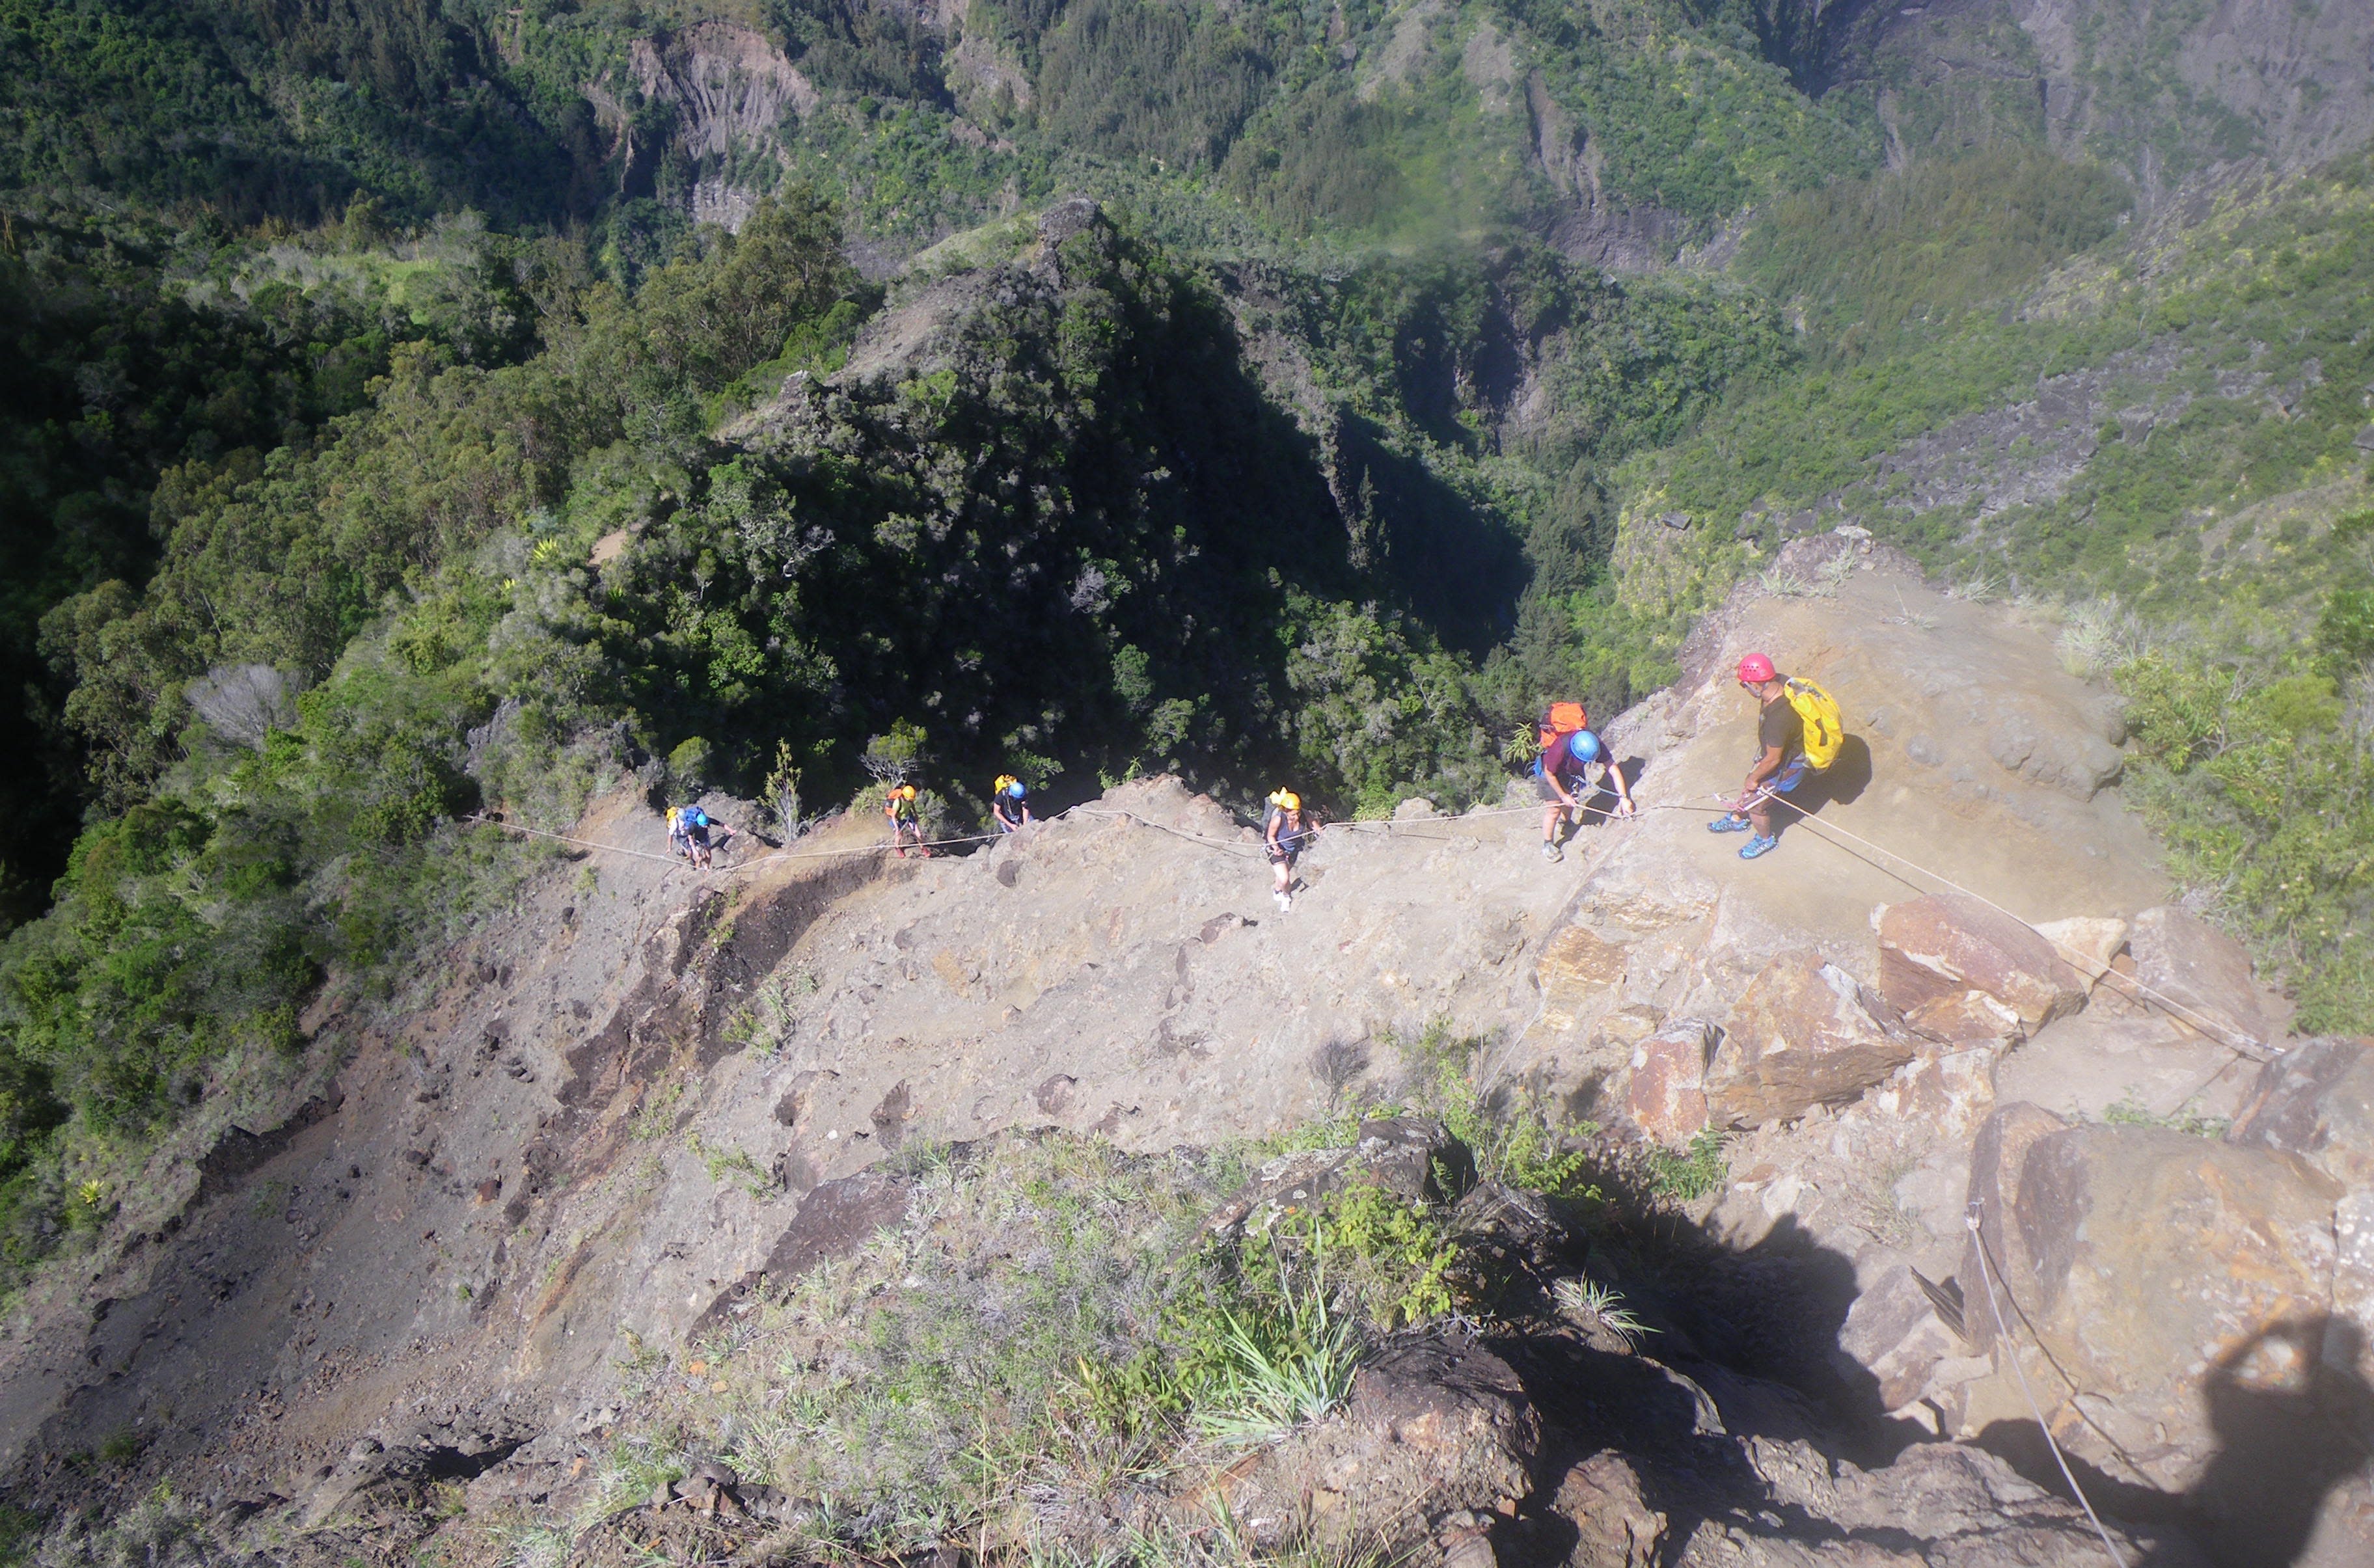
[645,1101]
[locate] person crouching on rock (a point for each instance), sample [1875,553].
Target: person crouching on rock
[1561,778]
[1780,764]
[1009,803]
[1284,834]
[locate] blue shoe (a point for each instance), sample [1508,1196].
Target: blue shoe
[1728,825]
[1755,847]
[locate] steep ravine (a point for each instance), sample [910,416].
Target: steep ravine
[634,1106]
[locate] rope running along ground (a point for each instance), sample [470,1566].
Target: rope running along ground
[2225,1033]
[1987,1278]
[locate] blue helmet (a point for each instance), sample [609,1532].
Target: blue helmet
[1015,790]
[1583,746]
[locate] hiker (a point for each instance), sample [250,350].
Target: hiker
[1009,803]
[689,828]
[906,828]
[1286,833]
[1561,778]
[678,842]
[1797,732]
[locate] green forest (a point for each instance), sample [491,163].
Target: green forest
[345,333]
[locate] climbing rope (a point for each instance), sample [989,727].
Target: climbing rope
[1978,1236]
[2232,1038]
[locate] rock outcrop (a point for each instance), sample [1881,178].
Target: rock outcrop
[1935,949]
[1806,1033]
[2183,960]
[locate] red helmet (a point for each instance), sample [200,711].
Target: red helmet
[1755,669]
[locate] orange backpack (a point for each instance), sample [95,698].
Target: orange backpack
[1562,719]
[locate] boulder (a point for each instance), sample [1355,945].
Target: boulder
[2090,943]
[2317,1101]
[1996,1156]
[1950,1090]
[2182,959]
[1616,1526]
[2353,1285]
[1432,1427]
[1665,1097]
[1939,1505]
[1805,1034]
[1893,1333]
[1966,1018]
[2164,1267]
[1401,1154]
[1935,947]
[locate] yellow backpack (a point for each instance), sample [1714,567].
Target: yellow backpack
[1824,727]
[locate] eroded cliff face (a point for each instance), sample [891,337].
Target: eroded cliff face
[725,95]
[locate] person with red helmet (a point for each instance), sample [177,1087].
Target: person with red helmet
[1781,763]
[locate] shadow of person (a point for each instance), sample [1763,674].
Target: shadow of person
[1601,803]
[2292,1418]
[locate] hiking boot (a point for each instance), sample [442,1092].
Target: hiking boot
[1285,902]
[1551,852]
[1755,847]
[1729,825]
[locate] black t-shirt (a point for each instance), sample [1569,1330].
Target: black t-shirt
[1780,727]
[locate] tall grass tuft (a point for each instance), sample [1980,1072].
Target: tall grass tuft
[1285,1366]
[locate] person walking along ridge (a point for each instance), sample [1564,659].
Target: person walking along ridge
[1285,832]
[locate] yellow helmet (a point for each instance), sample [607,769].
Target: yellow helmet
[1287,800]
[906,792]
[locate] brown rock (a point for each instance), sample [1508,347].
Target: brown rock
[1966,1018]
[2353,1281]
[2160,1260]
[1618,1528]
[2317,1101]
[1666,1096]
[2182,959]
[1937,946]
[1893,1332]
[1996,1153]
[1949,1091]
[1401,1154]
[2089,943]
[1805,1034]
[1576,966]
[1432,1428]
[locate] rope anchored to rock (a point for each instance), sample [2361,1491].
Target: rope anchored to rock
[1987,1279]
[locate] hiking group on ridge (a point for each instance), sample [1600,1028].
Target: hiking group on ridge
[1799,734]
